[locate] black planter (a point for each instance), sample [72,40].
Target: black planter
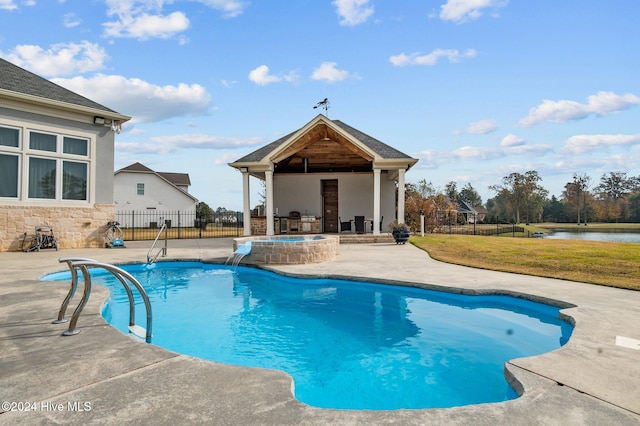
[400,236]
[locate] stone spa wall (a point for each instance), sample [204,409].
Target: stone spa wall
[289,250]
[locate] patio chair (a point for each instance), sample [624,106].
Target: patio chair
[359,221]
[381,219]
[344,226]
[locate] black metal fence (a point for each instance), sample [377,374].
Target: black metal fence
[144,225]
[479,229]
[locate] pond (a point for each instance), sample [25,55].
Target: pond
[609,235]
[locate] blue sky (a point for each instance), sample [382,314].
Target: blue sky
[475,89]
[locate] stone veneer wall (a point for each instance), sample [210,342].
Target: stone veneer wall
[259,226]
[289,252]
[75,227]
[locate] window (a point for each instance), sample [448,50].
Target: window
[75,146]
[54,166]
[140,188]
[9,137]
[9,175]
[43,141]
[74,180]
[42,178]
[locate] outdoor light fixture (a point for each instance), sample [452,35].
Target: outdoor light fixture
[101,121]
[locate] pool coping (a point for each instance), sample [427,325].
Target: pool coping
[590,380]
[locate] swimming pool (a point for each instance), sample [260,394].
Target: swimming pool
[346,344]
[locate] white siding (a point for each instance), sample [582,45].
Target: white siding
[303,193]
[158,194]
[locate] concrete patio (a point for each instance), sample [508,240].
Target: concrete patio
[102,376]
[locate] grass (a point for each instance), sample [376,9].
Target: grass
[595,262]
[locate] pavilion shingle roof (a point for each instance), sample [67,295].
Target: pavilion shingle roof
[381,148]
[385,151]
[16,79]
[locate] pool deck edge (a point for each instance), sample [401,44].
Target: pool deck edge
[589,381]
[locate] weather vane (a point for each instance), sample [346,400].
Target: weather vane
[324,104]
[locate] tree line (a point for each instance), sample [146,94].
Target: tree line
[522,198]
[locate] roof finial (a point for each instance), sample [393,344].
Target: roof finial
[324,104]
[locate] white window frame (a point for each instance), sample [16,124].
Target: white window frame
[14,152]
[24,152]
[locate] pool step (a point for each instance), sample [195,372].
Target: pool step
[365,238]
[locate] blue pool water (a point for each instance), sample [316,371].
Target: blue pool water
[347,344]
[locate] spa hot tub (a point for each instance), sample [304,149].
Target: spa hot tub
[289,249]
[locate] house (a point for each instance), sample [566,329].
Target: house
[56,161]
[324,173]
[471,214]
[140,189]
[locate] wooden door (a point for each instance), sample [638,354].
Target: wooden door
[330,205]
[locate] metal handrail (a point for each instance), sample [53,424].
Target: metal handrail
[122,276]
[163,250]
[72,290]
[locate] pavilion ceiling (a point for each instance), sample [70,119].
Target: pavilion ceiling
[322,150]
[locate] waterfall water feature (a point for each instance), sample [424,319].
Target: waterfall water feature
[242,251]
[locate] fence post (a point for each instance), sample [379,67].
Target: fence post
[133,225]
[178,224]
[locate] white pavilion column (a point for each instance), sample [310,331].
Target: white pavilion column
[268,175]
[376,201]
[401,195]
[246,203]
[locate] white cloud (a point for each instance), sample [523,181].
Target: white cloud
[601,104]
[430,59]
[229,8]
[144,19]
[460,11]
[353,12]
[143,101]
[8,5]
[580,144]
[174,143]
[511,140]
[262,77]
[59,59]
[481,127]
[71,20]
[145,26]
[328,72]
[510,146]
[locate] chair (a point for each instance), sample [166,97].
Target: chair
[344,226]
[381,219]
[359,220]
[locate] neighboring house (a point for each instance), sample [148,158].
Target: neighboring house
[137,188]
[56,161]
[326,172]
[471,214]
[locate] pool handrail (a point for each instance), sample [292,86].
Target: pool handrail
[162,250]
[123,276]
[72,291]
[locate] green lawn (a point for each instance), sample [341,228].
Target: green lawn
[595,262]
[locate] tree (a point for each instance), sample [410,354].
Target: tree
[451,191]
[203,212]
[613,190]
[522,193]
[615,186]
[554,211]
[576,193]
[470,196]
[634,207]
